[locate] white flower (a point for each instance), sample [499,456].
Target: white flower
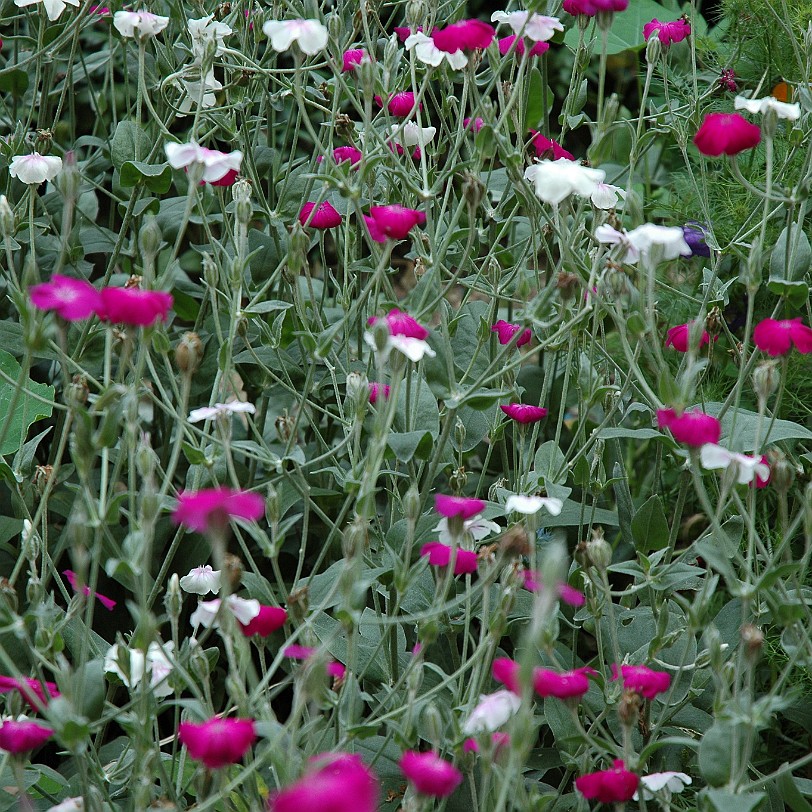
[556,180]
[492,712]
[639,241]
[244,610]
[205,30]
[197,92]
[201,580]
[528,505]
[606,196]
[216,164]
[413,348]
[221,410]
[34,168]
[410,135]
[429,54]
[791,112]
[155,661]
[538,27]
[310,34]
[713,457]
[53,8]
[69,805]
[139,24]
[670,781]
[478,528]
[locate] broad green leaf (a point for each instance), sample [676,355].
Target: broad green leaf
[130,143]
[156,177]
[791,794]
[747,422]
[794,248]
[650,526]
[33,402]
[723,801]
[715,754]
[537,95]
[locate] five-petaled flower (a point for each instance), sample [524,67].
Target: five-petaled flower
[430,774]
[53,8]
[392,222]
[201,580]
[138,308]
[524,412]
[505,331]
[405,335]
[23,735]
[561,684]
[556,180]
[440,555]
[219,741]
[213,508]
[215,164]
[678,337]
[72,299]
[726,133]
[451,43]
[323,215]
[776,337]
[310,35]
[667,32]
[492,711]
[615,786]
[694,428]
[140,24]
[748,469]
[642,680]
[34,169]
[790,112]
[536,27]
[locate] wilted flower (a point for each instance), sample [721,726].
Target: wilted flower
[53,8]
[201,580]
[141,24]
[776,337]
[533,26]
[613,786]
[748,469]
[642,680]
[154,662]
[491,713]
[505,332]
[72,299]
[321,216]
[392,222]
[334,782]
[221,410]
[138,308]
[726,133]
[556,180]
[310,35]
[429,773]
[107,603]
[694,428]
[727,80]
[218,742]
[439,555]
[20,736]
[524,412]
[677,337]
[34,169]
[791,112]
[667,32]
[561,684]
[214,507]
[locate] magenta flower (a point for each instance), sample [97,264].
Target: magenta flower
[505,332]
[589,8]
[506,43]
[20,737]
[759,481]
[351,154]
[476,124]
[392,222]
[401,104]
[72,299]
[642,680]
[30,689]
[727,133]
[668,32]
[138,308]
[335,782]
[430,774]
[499,741]
[547,148]
[615,786]
[351,58]
[562,685]
[531,580]
[466,35]
[377,390]
[694,428]
[506,671]
[777,337]
[404,32]
[402,324]
[269,619]
[218,742]
[439,555]
[325,216]
[677,337]
[229,179]
[297,652]
[462,506]
[523,412]
[727,80]
[107,603]
[212,508]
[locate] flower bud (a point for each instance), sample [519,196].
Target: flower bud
[752,639]
[458,480]
[231,572]
[69,179]
[654,50]
[769,122]
[411,504]
[241,193]
[628,709]
[298,604]
[335,26]
[598,550]
[285,425]
[357,394]
[272,513]
[766,377]
[76,392]
[354,538]
[189,353]
[782,473]
[173,599]
[150,238]
[473,189]
[43,141]
[209,271]
[415,14]
[380,336]
[7,225]
[610,111]
[297,251]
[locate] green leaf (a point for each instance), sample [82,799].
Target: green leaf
[800,256]
[715,754]
[14,82]
[790,793]
[130,143]
[407,444]
[747,423]
[650,526]
[28,405]
[537,94]
[156,177]
[723,801]
[627,28]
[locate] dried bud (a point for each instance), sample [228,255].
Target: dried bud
[189,353]
[134,282]
[568,284]
[42,476]
[285,425]
[753,639]
[354,538]
[493,491]
[515,542]
[344,127]
[628,709]
[598,550]
[458,480]
[473,189]
[782,473]
[714,321]
[766,377]
[298,604]
[43,141]
[76,392]
[231,571]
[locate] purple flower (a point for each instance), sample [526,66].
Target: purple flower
[694,235]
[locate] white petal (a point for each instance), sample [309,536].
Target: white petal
[458,60]
[713,456]
[529,505]
[183,155]
[281,34]
[492,712]
[413,348]
[606,196]
[312,37]
[201,581]
[203,413]
[245,610]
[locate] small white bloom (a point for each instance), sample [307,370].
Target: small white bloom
[533,26]
[529,505]
[205,30]
[310,34]
[413,348]
[410,135]
[492,712]
[155,661]
[216,164]
[201,580]
[791,112]
[556,180]
[53,8]
[478,528]
[606,196]
[221,410]
[139,24]
[34,168]
[714,457]
[69,805]
[199,92]
[670,781]
[243,609]
[639,241]
[429,54]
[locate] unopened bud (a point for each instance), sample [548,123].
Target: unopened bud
[6,217]
[367,71]
[146,460]
[297,252]
[458,480]
[173,599]
[610,111]
[769,122]
[473,189]
[189,353]
[357,394]
[69,179]
[241,192]
[598,550]
[209,271]
[272,506]
[411,504]
[766,377]
[782,473]
[354,538]
[380,335]
[150,238]
[415,14]
[654,50]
